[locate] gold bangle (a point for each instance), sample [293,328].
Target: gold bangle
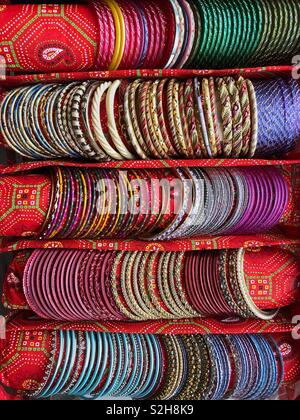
[120,34]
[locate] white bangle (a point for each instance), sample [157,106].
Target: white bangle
[110,99]
[96,120]
[87,100]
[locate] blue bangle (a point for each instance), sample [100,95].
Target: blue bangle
[125,367]
[63,378]
[104,363]
[155,368]
[111,368]
[90,387]
[278,360]
[119,355]
[23,134]
[26,122]
[130,386]
[58,363]
[140,372]
[74,344]
[86,380]
[77,386]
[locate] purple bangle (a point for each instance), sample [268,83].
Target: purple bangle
[238,227]
[74,287]
[280,190]
[49,274]
[256,203]
[71,267]
[263,186]
[57,278]
[69,256]
[30,290]
[84,284]
[41,286]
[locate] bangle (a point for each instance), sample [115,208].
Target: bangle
[254,119]
[237,117]
[224,100]
[132,121]
[96,112]
[110,98]
[161,120]
[119,35]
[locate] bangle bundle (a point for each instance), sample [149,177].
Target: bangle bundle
[195,118]
[78,285]
[118,34]
[164,204]
[194,367]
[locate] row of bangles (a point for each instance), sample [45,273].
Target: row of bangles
[149,233]
[92,365]
[75,360]
[147,204]
[76,284]
[156,34]
[161,119]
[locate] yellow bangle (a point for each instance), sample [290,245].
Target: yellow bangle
[120,34]
[85,202]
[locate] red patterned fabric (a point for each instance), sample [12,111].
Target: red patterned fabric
[274,238]
[23,204]
[48,37]
[281,324]
[156,164]
[257,72]
[272,276]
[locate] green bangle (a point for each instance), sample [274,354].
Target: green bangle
[290,40]
[230,55]
[201,56]
[267,29]
[255,28]
[216,29]
[245,44]
[295,36]
[191,63]
[223,40]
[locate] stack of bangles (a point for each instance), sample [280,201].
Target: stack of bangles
[196,33]
[165,118]
[94,365]
[163,204]
[76,285]
[156,34]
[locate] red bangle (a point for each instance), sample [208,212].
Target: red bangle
[111,31]
[171,32]
[140,31]
[151,36]
[129,35]
[138,40]
[157,34]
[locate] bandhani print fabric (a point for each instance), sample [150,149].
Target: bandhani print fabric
[23,204]
[48,37]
